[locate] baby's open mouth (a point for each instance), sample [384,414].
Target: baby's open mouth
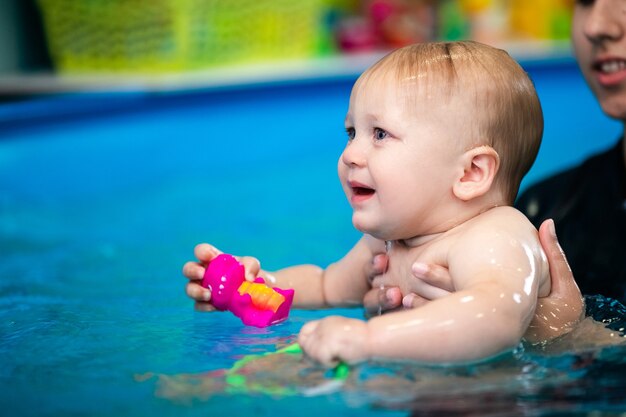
[362,191]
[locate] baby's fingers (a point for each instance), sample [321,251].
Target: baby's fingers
[197,292]
[205,253]
[306,338]
[203,306]
[252,266]
[193,271]
[313,348]
[306,331]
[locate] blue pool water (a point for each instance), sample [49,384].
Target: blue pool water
[103,197]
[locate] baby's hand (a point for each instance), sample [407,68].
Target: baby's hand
[194,271]
[335,339]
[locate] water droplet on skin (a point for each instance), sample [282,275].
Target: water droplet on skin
[387,249]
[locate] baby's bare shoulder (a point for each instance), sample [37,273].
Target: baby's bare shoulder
[502,230]
[503,219]
[501,236]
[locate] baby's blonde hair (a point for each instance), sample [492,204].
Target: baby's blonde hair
[507,110]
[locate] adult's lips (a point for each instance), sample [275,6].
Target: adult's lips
[609,65]
[610,71]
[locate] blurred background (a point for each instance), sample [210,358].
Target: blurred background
[131,130]
[43,41]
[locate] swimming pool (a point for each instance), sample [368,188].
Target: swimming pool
[103,197]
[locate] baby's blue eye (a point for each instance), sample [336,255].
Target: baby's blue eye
[379,134]
[351,132]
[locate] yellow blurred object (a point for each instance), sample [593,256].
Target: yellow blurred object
[475,6]
[263,297]
[540,19]
[174,35]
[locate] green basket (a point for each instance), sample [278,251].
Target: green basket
[174,35]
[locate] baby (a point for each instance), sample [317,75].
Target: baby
[439,138]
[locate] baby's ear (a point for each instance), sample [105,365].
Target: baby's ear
[480,166]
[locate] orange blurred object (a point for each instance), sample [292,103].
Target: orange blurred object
[263,297]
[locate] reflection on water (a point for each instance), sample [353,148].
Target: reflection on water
[580,373]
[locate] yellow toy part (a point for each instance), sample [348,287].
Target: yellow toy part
[263,297]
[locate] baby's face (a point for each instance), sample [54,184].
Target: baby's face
[402,156]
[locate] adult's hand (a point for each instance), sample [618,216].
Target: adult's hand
[380,299]
[434,283]
[560,311]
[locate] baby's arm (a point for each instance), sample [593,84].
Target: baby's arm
[497,283]
[556,314]
[342,283]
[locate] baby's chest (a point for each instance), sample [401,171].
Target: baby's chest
[401,259]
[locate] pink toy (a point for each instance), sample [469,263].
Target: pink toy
[254,303]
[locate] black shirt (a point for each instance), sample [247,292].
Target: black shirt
[587,204]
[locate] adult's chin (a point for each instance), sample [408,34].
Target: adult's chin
[614,107]
[611,100]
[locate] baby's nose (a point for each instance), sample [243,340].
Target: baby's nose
[354,155]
